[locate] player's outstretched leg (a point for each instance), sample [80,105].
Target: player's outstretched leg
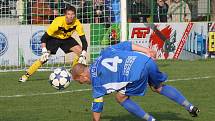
[175,95]
[133,108]
[31,70]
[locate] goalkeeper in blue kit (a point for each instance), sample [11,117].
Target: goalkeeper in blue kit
[127,69]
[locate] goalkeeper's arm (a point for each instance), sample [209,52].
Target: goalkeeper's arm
[45,38]
[82,58]
[45,52]
[84,42]
[97,107]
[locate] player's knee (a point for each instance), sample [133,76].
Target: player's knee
[157,89]
[79,50]
[120,97]
[76,49]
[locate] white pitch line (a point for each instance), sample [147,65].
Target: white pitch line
[194,78]
[50,93]
[82,90]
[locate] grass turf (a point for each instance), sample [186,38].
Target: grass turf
[36,100]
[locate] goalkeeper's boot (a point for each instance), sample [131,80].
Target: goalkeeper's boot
[24,78]
[194,112]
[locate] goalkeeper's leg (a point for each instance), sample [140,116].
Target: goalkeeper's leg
[31,70]
[75,60]
[77,51]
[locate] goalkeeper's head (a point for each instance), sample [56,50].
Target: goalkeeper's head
[70,13]
[81,73]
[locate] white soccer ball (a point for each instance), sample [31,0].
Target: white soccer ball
[60,78]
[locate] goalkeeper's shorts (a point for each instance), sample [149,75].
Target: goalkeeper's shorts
[65,44]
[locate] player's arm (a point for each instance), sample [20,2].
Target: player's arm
[80,31]
[45,52]
[81,35]
[96,116]
[84,42]
[129,46]
[46,37]
[142,49]
[97,107]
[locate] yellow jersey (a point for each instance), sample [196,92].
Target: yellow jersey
[61,30]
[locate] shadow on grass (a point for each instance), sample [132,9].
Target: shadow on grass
[160,116]
[38,78]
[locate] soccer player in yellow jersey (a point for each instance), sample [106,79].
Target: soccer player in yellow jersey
[58,35]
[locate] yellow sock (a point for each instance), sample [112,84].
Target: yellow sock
[75,61]
[33,68]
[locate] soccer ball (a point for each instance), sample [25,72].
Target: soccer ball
[60,78]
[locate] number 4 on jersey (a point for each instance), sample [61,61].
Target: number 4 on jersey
[111,63]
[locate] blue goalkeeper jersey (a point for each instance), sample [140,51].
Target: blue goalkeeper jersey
[118,68]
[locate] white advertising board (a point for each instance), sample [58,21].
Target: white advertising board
[20,44]
[8,45]
[168,39]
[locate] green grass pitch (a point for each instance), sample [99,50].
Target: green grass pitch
[36,100]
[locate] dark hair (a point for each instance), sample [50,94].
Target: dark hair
[70,8]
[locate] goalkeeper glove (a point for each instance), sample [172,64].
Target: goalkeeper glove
[45,55]
[82,57]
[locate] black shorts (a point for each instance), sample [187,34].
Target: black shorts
[65,44]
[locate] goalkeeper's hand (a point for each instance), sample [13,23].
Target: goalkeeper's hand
[82,58]
[45,55]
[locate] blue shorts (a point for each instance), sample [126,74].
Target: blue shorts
[155,77]
[137,88]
